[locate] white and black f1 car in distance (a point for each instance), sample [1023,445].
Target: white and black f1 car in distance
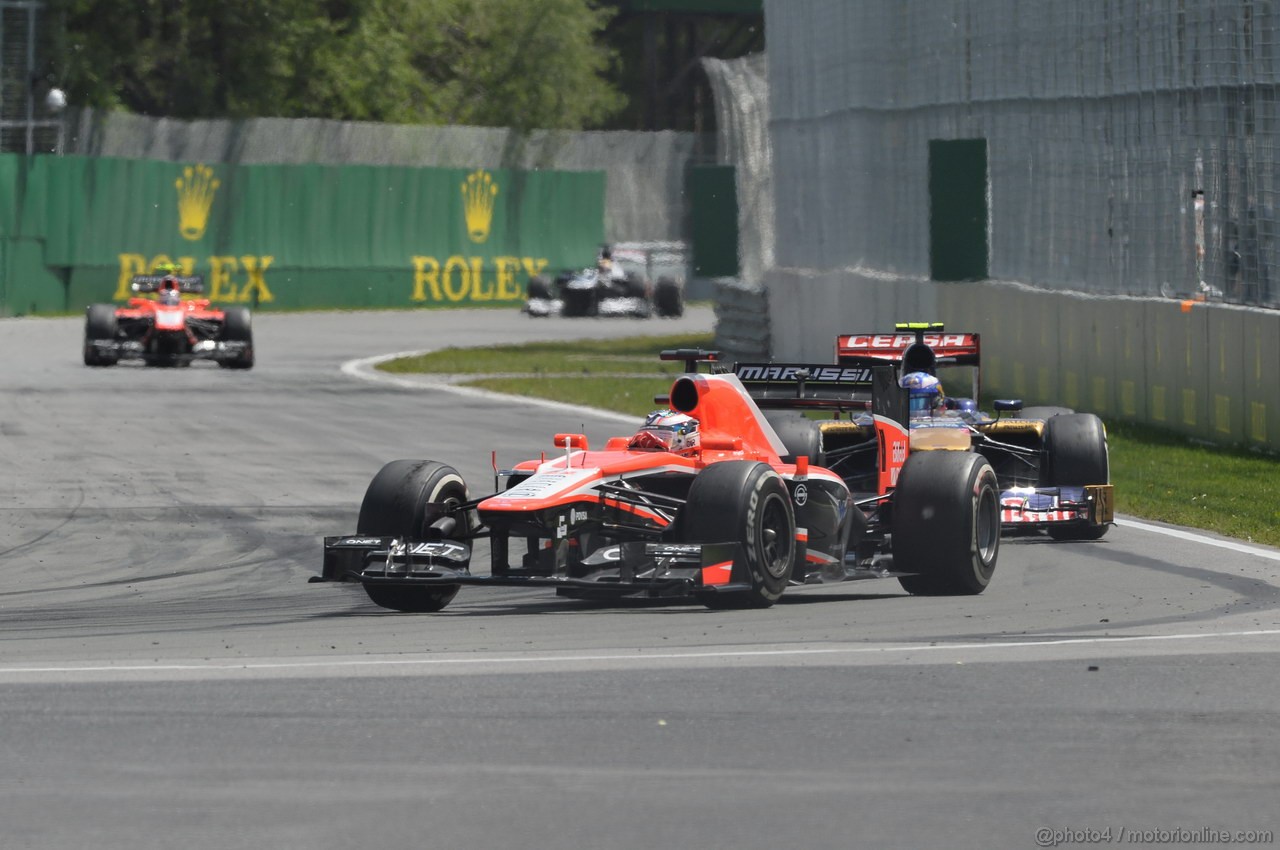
[167,329]
[708,499]
[617,285]
[1052,463]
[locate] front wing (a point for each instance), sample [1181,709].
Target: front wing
[626,569]
[630,306]
[216,350]
[651,569]
[1040,507]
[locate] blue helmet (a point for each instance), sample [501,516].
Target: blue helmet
[924,393]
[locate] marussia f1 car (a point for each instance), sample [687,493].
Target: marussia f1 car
[613,287]
[708,499]
[1052,463]
[168,330]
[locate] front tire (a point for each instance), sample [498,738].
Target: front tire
[946,523]
[1075,455]
[403,500]
[237,326]
[99,325]
[747,503]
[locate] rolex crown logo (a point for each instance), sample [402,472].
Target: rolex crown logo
[478,195]
[196,188]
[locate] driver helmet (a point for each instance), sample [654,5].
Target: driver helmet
[604,263]
[169,293]
[924,393]
[667,430]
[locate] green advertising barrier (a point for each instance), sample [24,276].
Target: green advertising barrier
[292,236]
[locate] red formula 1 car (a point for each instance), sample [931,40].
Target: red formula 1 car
[168,330]
[707,499]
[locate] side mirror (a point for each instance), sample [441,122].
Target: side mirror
[571,441]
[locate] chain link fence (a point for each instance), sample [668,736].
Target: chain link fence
[1131,144]
[29,122]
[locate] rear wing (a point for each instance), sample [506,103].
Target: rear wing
[190,284]
[916,347]
[799,385]
[958,349]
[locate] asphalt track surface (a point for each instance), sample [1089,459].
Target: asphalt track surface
[170,679]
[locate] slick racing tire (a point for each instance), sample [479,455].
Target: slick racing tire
[99,324]
[634,286]
[747,503]
[539,287]
[946,523]
[403,500]
[802,437]
[668,298]
[1075,454]
[237,326]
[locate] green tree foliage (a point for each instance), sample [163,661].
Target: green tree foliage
[509,63]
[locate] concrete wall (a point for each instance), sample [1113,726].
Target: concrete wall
[1207,370]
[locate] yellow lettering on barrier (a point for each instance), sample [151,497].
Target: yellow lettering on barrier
[130,264]
[221,287]
[506,268]
[255,268]
[478,290]
[463,278]
[533,265]
[426,272]
[456,262]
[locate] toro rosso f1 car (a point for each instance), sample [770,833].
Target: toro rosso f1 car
[1052,463]
[167,329]
[709,499]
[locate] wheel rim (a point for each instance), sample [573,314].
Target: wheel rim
[988,524]
[776,539]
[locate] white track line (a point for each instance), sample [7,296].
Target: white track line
[632,657]
[1183,534]
[365,370]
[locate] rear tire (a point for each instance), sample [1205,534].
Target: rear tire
[99,324]
[402,501]
[539,287]
[668,298]
[1075,455]
[746,503]
[946,523]
[237,326]
[802,437]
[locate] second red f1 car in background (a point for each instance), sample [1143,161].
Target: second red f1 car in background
[168,329]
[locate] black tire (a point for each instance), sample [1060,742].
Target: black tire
[539,287]
[402,501]
[99,324]
[1075,454]
[580,302]
[745,502]
[668,298]
[946,523]
[237,326]
[411,600]
[801,436]
[635,286]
